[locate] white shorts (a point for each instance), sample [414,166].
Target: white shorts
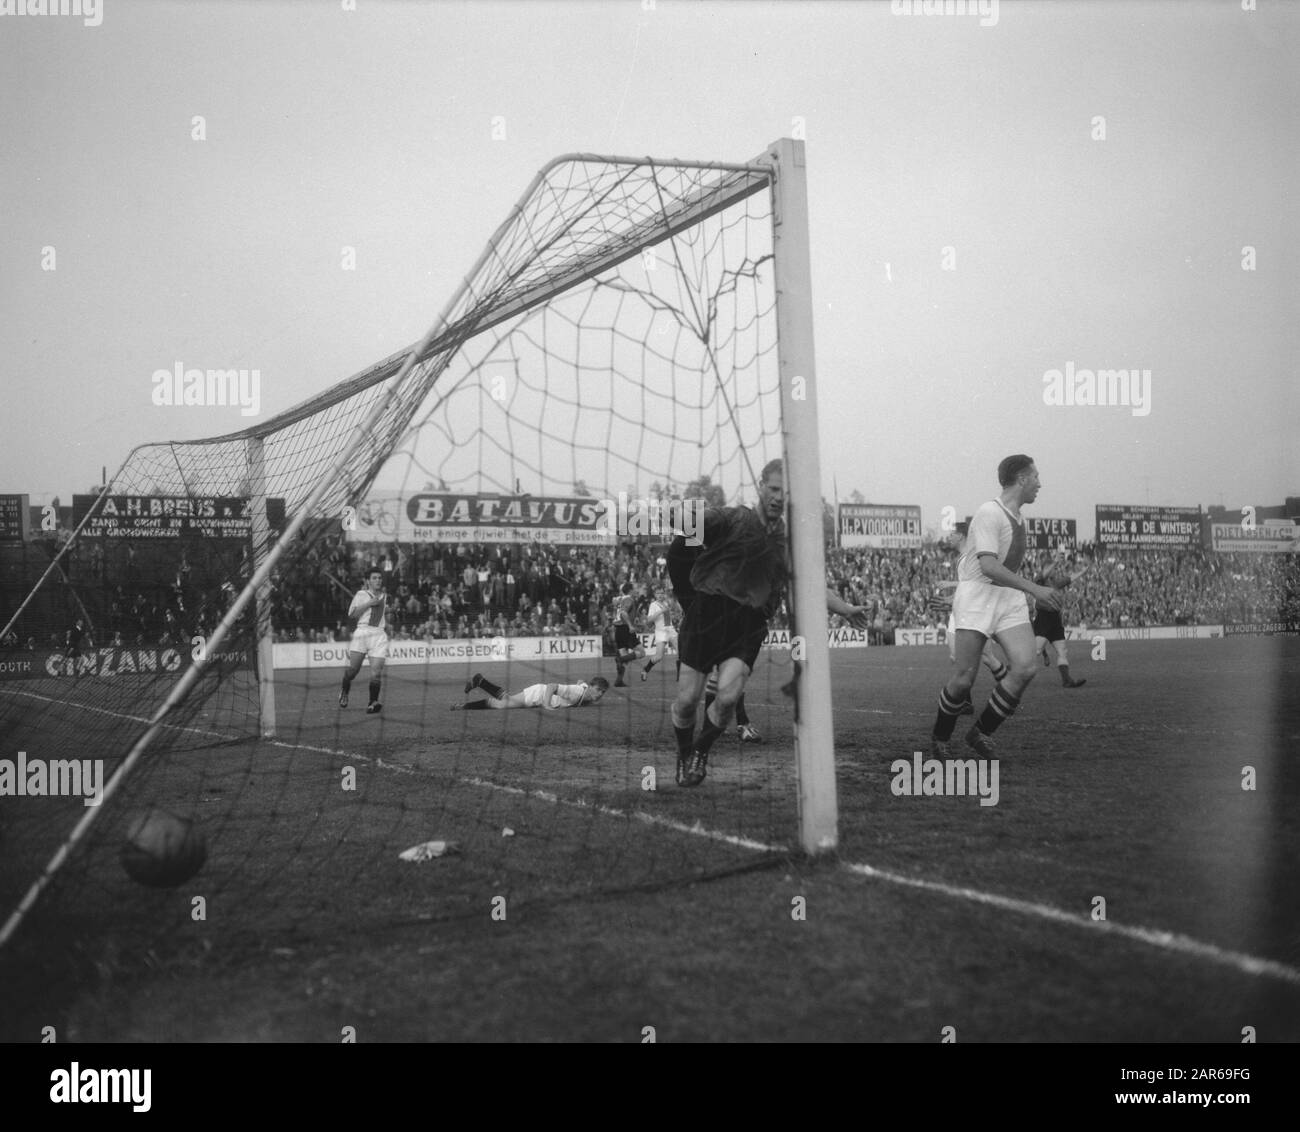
[988,609]
[370,640]
[535,695]
[666,636]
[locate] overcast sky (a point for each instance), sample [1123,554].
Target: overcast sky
[1096,168]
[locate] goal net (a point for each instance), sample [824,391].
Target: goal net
[633,341]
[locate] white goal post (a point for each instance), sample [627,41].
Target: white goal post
[814,731]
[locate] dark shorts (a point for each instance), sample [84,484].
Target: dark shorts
[624,638]
[716,628]
[681,558]
[1048,623]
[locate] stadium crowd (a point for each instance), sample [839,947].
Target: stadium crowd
[538,590]
[541,590]
[1120,588]
[465,591]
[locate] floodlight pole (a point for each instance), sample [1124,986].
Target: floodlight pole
[814,731]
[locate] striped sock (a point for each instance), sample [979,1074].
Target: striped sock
[946,720]
[1001,707]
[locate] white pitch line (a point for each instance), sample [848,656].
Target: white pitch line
[1154,937]
[218,734]
[1169,941]
[696,830]
[119,714]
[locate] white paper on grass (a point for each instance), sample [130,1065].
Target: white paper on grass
[428,850]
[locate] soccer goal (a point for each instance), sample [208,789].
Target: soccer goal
[636,334]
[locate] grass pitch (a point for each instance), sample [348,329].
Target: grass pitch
[583,907]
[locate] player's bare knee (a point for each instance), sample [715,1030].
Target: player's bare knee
[723,711]
[1022,674]
[728,694]
[960,684]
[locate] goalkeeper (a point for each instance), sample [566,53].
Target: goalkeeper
[738,578]
[681,560]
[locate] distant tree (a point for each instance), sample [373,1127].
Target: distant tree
[828,522]
[580,488]
[704,488]
[856,496]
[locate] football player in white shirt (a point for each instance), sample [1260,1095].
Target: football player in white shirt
[369,639]
[941,602]
[990,602]
[549,696]
[660,617]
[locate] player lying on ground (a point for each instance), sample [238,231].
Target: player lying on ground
[738,578]
[990,602]
[369,639]
[535,695]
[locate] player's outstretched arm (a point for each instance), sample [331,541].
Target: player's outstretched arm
[548,698]
[857,615]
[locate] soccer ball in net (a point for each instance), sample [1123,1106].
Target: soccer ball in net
[162,850]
